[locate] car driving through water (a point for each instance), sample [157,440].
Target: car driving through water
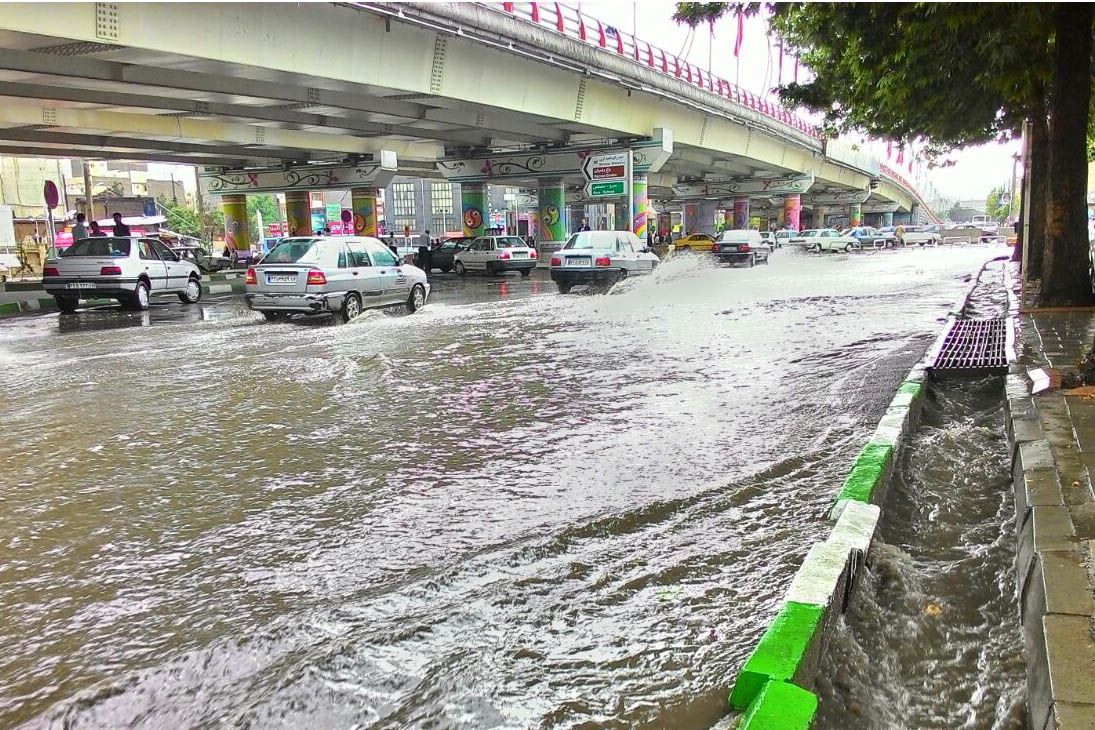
[746,246]
[600,257]
[129,269]
[332,275]
[495,255]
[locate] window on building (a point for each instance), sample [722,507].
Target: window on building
[403,204]
[443,218]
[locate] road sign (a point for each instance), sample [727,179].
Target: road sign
[607,166]
[612,188]
[49,191]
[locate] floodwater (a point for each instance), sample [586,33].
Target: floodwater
[933,637]
[512,509]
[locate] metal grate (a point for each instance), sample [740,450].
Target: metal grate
[973,346]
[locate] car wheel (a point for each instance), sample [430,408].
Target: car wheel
[816,248]
[351,307]
[140,297]
[564,286]
[417,299]
[193,292]
[446,269]
[273,316]
[67,305]
[889,244]
[460,269]
[848,248]
[526,272]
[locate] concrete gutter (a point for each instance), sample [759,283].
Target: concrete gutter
[36,300]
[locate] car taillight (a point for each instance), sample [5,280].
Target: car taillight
[315,276]
[504,255]
[250,278]
[744,247]
[604,261]
[50,271]
[532,253]
[110,271]
[556,261]
[714,247]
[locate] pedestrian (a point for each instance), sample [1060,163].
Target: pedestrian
[120,229]
[95,230]
[584,226]
[392,246]
[424,251]
[80,229]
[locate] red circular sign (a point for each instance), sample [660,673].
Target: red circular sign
[347,216]
[49,190]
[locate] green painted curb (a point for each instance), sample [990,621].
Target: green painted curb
[911,386]
[779,652]
[867,472]
[780,706]
[9,308]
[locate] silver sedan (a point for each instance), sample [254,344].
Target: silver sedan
[332,275]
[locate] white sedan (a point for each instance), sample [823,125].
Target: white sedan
[600,257]
[909,235]
[825,239]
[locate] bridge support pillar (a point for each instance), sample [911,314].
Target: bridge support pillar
[620,215]
[705,216]
[237,234]
[298,212]
[639,202]
[551,202]
[792,212]
[473,207]
[741,213]
[689,218]
[665,223]
[855,215]
[887,220]
[819,216]
[363,202]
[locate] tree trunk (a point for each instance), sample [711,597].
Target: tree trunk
[1017,250]
[1039,190]
[1064,278]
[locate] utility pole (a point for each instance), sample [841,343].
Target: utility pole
[89,207]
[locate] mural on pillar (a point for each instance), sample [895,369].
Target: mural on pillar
[237,236]
[792,212]
[298,214]
[639,203]
[689,223]
[552,209]
[473,199]
[741,213]
[364,215]
[855,216]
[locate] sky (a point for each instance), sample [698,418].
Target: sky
[975,172]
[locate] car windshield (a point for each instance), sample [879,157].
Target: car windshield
[737,236]
[599,240]
[809,233]
[99,246]
[294,251]
[510,242]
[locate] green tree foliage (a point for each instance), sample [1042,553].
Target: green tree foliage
[182,218]
[265,204]
[997,206]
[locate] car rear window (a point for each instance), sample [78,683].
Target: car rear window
[294,251]
[600,240]
[510,242]
[98,246]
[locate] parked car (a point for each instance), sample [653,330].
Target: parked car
[742,245]
[915,235]
[337,275]
[825,239]
[769,238]
[869,237]
[129,269]
[496,254]
[444,256]
[600,257]
[200,257]
[783,236]
[694,243]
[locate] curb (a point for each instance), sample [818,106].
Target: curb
[38,301]
[773,687]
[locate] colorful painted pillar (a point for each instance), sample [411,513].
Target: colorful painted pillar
[237,234]
[298,212]
[473,207]
[705,216]
[363,202]
[855,215]
[887,219]
[741,213]
[819,216]
[689,218]
[639,203]
[792,212]
[665,222]
[551,204]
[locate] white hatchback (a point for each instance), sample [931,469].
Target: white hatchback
[600,257]
[496,254]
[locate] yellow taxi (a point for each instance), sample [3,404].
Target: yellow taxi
[694,243]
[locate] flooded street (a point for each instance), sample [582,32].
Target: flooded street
[513,509]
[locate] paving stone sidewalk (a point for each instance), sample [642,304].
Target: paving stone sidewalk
[1053,436]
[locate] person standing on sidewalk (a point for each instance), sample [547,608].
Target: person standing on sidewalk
[424,252]
[80,229]
[120,229]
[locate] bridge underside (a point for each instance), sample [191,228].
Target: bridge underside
[256,86]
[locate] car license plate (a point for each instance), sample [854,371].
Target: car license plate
[281,279]
[80,285]
[578,261]
[520,255]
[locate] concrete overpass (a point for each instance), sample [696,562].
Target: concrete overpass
[298,97]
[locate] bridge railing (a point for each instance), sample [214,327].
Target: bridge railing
[573,23]
[891,172]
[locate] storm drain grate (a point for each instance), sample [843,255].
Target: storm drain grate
[973,346]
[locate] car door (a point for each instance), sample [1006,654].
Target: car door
[177,272]
[390,276]
[153,266]
[362,276]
